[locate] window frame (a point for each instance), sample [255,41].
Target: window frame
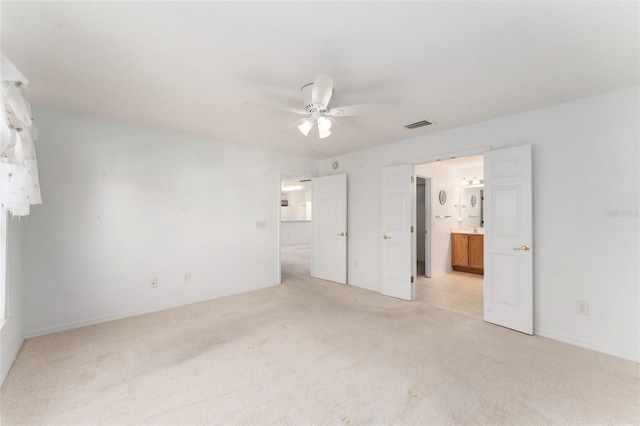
[3,265]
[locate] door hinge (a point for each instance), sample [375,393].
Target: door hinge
[411,179]
[412,278]
[412,229]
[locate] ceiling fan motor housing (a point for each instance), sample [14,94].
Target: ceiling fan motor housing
[309,106]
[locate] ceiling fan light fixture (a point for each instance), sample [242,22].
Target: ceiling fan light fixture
[323,133]
[317,97]
[305,126]
[324,124]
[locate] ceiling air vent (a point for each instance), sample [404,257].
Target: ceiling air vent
[418,124]
[315,155]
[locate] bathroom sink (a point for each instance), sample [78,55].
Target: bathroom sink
[467,231]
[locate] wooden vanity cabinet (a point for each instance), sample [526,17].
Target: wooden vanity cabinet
[476,252]
[459,250]
[467,253]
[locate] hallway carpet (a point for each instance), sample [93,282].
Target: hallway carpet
[313,352]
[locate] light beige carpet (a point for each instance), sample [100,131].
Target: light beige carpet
[313,352]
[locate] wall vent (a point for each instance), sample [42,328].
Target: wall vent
[418,124]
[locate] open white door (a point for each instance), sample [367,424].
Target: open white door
[329,246]
[398,239]
[508,233]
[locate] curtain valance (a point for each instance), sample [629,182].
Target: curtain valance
[19,183]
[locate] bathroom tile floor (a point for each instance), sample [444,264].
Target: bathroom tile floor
[458,292]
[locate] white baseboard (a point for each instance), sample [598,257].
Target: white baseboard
[377,290]
[440,272]
[98,320]
[12,355]
[587,344]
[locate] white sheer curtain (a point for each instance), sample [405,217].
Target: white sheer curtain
[19,184]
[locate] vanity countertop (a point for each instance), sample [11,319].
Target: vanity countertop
[476,231]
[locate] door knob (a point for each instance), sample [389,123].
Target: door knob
[524,247]
[342,234]
[386,237]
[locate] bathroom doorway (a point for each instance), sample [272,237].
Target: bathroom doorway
[448,200]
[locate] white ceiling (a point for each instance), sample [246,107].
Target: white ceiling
[191,66]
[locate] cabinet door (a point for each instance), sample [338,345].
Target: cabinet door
[459,250]
[476,251]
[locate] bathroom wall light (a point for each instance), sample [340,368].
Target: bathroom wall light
[472,183]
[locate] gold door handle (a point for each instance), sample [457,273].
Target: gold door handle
[524,247]
[342,234]
[386,237]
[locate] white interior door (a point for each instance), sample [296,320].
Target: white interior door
[508,229]
[329,246]
[398,239]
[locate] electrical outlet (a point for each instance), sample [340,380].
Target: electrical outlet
[582,307]
[153,283]
[187,277]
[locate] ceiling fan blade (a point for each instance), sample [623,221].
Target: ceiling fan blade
[292,125]
[322,90]
[278,107]
[351,110]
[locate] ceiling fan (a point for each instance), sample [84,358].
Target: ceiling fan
[317,96]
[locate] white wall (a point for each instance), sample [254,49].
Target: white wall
[296,232]
[11,332]
[585,166]
[299,207]
[443,178]
[296,227]
[124,203]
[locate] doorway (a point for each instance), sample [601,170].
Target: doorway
[295,224]
[448,200]
[508,206]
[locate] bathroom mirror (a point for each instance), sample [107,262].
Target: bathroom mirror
[472,213]
[442,197]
